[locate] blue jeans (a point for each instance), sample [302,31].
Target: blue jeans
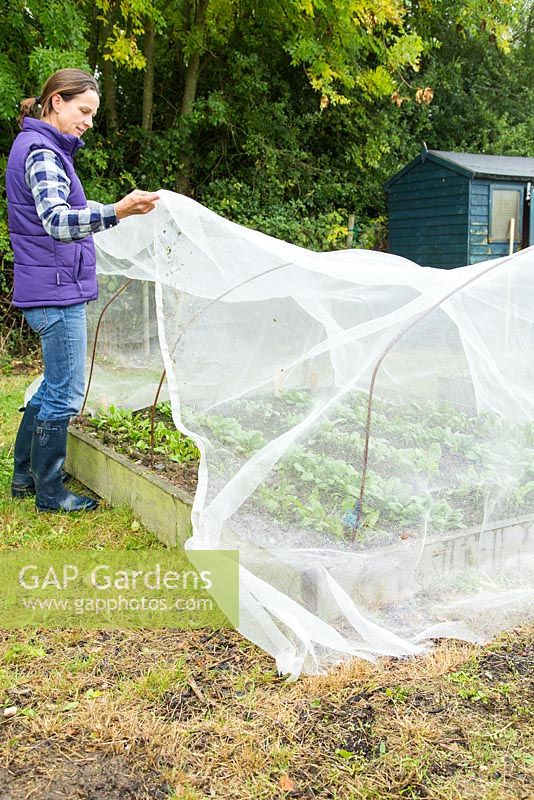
[63,334]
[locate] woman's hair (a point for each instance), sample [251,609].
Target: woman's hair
[66,82]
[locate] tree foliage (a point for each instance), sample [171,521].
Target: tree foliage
[285,115]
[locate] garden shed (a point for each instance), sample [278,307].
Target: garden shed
[449,209]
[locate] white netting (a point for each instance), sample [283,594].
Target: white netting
[365,426]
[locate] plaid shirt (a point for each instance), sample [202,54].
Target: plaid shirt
[50,187]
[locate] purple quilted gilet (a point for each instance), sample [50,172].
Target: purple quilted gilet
[47,272]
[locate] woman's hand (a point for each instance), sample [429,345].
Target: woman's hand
[137,202]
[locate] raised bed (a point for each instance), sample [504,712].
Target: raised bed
[161,507]
[379,576]
[392,574]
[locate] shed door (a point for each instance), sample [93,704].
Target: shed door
[506,204]
[530,237]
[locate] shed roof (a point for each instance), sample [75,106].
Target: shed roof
[474,165]
[485,166]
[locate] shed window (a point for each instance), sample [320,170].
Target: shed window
[505,206]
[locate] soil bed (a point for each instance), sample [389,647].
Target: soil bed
[181,474]
[430,465]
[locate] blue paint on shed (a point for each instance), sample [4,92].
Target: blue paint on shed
[450,209]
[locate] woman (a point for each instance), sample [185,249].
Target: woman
[51,225]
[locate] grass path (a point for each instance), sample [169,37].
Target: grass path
[133,715]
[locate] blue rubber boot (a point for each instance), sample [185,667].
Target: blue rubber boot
[49,448]
[23,484]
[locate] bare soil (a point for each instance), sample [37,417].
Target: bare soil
[85,776]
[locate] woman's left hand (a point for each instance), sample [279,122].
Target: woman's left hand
[137,202]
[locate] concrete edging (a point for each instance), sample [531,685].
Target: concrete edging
[161,507]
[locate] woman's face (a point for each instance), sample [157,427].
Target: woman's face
[74,116]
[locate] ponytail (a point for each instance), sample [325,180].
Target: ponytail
[30,107]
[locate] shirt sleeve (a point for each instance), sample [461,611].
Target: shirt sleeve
[50,187]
